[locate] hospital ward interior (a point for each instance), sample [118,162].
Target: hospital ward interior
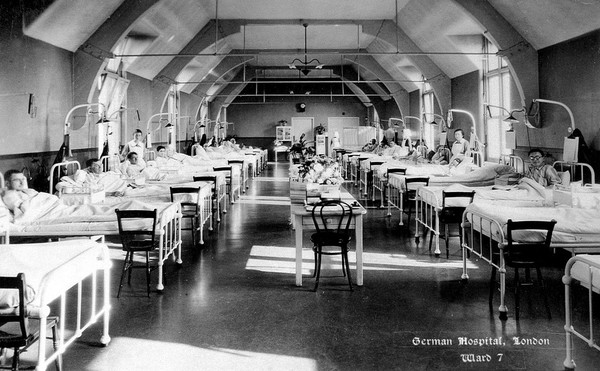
[300,185]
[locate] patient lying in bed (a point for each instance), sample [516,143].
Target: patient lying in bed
[17,196]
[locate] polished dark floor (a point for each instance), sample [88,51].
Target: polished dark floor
[233,305]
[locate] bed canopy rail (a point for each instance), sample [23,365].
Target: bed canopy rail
[577,171]
[62,168]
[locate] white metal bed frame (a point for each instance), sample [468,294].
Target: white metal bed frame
[205,202]
[569,363]
[429,217]
[98,310]
[169,240]
[488,224]
[572,166]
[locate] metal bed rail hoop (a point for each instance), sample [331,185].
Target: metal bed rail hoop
[99,308]
[515,161]
[593,268]
[110,162]
[57,169]
[577,168]
[476,226]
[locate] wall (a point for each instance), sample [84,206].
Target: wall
[385,110]
[466,95]
[30,66]
[255,122]
[570,73]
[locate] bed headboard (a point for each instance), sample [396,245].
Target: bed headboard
[578,171]
[515,161]
[110,162]
[61,169]
[477,158]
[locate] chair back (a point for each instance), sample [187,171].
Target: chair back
[374,163]
[401,171]
[413,183]
[188,197]
[332,216]
[225,169]
[135,227]
[526,253]
[208,178]
[453,213]
[235,162]
[10,286]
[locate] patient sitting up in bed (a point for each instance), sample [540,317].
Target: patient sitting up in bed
[542,173]
[93,175]
[17,195]
[440,157]
[132,167]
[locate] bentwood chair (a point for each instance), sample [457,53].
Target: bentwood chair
[137,229]
[332,221]
[525,255]
[15,327]
[411,185]
[452,214]
[189,198]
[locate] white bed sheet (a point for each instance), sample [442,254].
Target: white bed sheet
[515,196]
[480,177]
[581,271]
[82,219]
[572,225]
[52,268]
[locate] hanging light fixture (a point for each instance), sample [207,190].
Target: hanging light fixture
[304,66]
[511,117]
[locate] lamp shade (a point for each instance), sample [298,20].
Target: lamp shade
[511,119]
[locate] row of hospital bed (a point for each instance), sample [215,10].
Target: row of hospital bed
[80,215]
[488,205]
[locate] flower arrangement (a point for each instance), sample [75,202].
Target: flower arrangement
[321,170]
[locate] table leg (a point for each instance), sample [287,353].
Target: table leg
[359,249]
[298,225]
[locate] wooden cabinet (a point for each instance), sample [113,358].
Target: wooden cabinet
[283,133]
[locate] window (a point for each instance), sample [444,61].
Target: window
[497,82]
[429,130]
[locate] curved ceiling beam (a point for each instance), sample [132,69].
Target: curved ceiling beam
[203,40]
[218,72]
[389,32]
[92,54]
[363,91]
[399,94]
[522,58]
[112,30]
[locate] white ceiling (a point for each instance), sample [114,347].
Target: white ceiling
[273,31]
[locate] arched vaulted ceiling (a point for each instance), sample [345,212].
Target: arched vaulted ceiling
[379,49]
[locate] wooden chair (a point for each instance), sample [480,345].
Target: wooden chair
[228,171]
[189,198]
[243,173]
[14,326]
[411,185]
[215,193]
[525,255]
[137,236]
[451,215]
[331,231]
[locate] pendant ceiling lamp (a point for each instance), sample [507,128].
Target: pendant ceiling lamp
[306,65]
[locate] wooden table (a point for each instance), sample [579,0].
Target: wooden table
[303,221]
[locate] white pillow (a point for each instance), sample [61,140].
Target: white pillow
[565,177]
